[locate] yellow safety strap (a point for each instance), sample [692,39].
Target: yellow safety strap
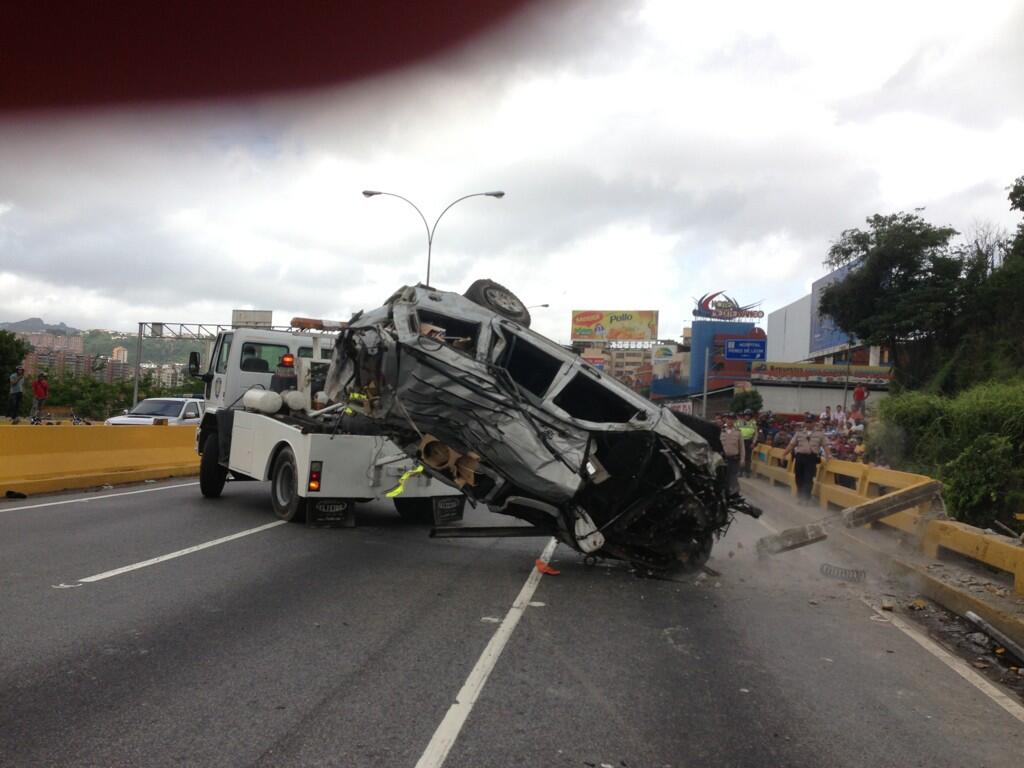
[397,490]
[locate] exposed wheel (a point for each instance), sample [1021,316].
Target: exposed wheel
[284,488]
[499,300]
[696,554]
[418,511]
[211,474]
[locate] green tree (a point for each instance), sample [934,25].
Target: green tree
[12,353]
[903,289]
[750,398]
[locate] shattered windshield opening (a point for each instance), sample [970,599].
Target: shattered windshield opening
[585,399]
[529,366]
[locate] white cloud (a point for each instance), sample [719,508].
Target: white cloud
[649,154]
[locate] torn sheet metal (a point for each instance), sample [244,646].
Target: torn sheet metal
[541,434]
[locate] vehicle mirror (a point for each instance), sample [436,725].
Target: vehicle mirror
[193,363]
[124,412]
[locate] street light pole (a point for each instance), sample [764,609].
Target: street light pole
[431,229]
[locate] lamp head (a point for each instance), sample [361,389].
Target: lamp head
[499,194]
[370,193]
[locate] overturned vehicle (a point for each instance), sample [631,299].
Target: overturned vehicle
[528,428]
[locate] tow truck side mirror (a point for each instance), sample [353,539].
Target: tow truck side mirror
[193,364]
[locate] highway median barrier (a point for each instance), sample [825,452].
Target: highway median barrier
[43,459]
[847,484]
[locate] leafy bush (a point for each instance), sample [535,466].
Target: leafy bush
[750,398]
[974,442]
[983,483]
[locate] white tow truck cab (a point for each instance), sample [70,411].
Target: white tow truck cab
[263,422]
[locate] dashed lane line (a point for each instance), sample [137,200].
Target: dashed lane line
[448,731]
[172,555]
[85,499]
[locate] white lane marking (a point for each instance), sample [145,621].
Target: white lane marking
[96,498]
[957,665]
[181,552]
[446,733]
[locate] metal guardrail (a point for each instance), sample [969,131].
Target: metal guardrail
[846,484]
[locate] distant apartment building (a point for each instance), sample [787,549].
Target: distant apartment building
[120,354]
[62,362]
[166,375]
[43,340]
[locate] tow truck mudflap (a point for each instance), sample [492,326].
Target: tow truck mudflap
[448,509]
[331,513]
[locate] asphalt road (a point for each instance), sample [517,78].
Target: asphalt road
[295,646]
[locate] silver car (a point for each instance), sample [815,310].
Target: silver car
[528,428]
[175,410]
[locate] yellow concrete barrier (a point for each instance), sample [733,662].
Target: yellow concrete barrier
[40,459]
[847,483]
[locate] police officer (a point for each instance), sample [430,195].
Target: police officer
[732,448]
[806,446]
[748,431]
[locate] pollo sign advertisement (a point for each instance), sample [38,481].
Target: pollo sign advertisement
[616,325]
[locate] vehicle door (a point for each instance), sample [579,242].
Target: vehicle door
[218,371]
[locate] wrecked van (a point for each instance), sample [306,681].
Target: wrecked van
[526,427]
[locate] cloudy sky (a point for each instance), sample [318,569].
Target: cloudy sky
[650,152]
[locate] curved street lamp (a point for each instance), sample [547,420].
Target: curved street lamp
[431,229]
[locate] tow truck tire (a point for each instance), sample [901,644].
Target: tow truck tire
[284,488]
[499,300]
[416,511]
[211,474]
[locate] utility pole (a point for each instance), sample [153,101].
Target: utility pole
[704,406]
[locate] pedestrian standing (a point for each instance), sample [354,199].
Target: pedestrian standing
[839,415]
[14,397]
[806,447]
[860,396]
[826,415]
[40,391]
[748,431]
[732,448]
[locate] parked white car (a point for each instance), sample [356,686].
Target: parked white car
[176,410]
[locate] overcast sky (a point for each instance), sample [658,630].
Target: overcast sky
[650,153]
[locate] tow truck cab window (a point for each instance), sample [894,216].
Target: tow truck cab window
[225,350]
[530,367]
[307,352]
[460,335]
[261,358]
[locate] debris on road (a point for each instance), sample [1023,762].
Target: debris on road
[546,569]
[851,517]
[888,604]
[854,575]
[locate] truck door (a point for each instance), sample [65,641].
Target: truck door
[219,369]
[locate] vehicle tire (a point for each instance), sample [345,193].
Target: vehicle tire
[416,511]
[697,554]
[211,474]
[284,488]
[499,300]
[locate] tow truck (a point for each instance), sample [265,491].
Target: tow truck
[266,420]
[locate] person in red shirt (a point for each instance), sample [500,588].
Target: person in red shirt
[860,394]
[40,391]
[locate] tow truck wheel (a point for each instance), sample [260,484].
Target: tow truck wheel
[211,474]
[499,300]
[419,511]
[284,488]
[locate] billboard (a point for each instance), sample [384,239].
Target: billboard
[824,333]
[811,373]
[595,360]
[614,325]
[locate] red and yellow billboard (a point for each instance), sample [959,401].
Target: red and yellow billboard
[614,325]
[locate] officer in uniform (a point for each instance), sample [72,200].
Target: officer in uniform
[732,449]
[748,431]
[806,446]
